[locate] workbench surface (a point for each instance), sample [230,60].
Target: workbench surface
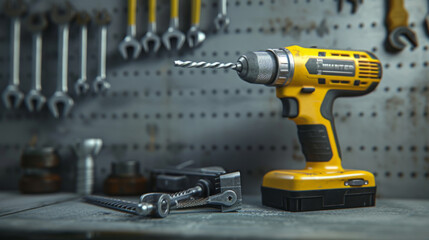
[60,215]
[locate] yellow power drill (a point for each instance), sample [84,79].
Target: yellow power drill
[308,80]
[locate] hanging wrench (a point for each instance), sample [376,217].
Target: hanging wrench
[130,41]
[12,96]
[151,36]
[81,86]
[195,35]
[62,17]
[36,23]
[173,31]
[102,19]
[222,20]
[397,25]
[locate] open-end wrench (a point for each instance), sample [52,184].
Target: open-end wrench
[130,41]
[62,17]
[222,20]
[397,25]
[36,23]
[102,19]
[81,86]
[173,32]
[195,35]
[151,38]
[12,96]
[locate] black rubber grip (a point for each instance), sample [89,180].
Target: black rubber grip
[315,143]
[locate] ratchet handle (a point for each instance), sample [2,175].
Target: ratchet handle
[152,11]
[132,7]
[196,12]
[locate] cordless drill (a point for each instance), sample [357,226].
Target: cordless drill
[307,82]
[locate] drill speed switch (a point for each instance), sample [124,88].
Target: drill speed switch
[307,82]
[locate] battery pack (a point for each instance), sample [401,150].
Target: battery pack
[297,201]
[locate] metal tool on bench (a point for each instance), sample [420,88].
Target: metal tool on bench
[130,42]
[222,20]
[151,38]
[36,23]
[81,86]
[355,5]
[173,32]
[12,96]
[195,35]
[86,152]
[397,26]
[102,19]
[62,17]
[227,198]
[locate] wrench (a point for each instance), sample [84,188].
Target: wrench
[355,5]
[102,19]
[36,23]
[397,25]
[173,31]
[81,86]
[222,20]
[130,41]
[195,35]
[151,36]
[62,17]
[12,96]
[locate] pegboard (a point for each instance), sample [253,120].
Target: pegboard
[161,115]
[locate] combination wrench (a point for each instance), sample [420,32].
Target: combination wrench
[62,17]
[222,20]
[195,35]
[151,38]
[12,96]
[36,23]
[81,86]
[102,19]
[130,41]
[173,32]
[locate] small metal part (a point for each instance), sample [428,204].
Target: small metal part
[36,23]
[130,42]
[62,17]
[222,20]
[173,32]
[151,38]
[125,179]
[102,19]
[86,152]
[12,95]
[81,86]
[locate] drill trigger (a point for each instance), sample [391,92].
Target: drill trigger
[290,107]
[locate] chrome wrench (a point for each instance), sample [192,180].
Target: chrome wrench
[195,35]
[102,19]
[151,37]
[222,20]
[173,31]
[130,41]
[36,23]
[12,96]
[81,86]
[62,17]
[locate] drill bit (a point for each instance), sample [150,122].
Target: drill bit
[192,64]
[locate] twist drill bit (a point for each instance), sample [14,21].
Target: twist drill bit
[192,64]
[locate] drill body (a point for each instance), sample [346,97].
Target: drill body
[308,80]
